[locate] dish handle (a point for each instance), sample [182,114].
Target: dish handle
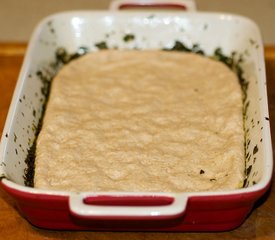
[127,206]
[186,5]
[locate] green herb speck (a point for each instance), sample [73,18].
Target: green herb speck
[128,37]
[15,138]
[101,45]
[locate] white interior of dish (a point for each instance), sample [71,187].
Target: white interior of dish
[151,30]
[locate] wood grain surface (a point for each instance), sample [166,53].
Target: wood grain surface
[260,224]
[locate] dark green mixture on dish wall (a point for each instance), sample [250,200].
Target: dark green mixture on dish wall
[63,57]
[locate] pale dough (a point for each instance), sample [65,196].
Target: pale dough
[152,120]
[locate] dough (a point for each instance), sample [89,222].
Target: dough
[151,121]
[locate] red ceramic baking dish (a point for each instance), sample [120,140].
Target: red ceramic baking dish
[127,211]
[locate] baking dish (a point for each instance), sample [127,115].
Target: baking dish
[190,211]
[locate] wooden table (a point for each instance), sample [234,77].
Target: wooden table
[259,225]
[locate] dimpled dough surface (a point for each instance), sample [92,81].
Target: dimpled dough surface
[152,120]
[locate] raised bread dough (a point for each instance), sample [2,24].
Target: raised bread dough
[152,120]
